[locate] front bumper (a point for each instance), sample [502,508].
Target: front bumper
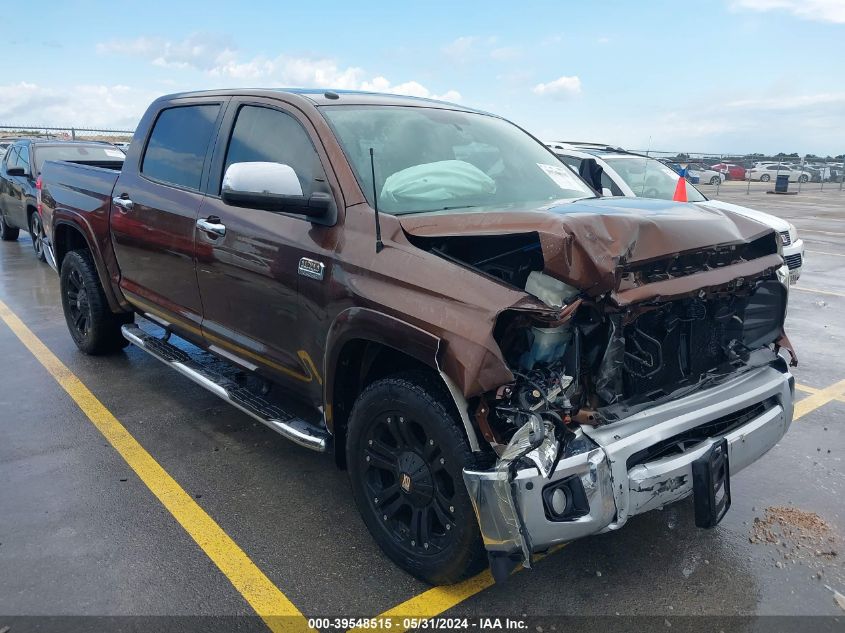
[793,256]
[518,519]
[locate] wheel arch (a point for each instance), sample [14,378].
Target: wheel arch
[69,236]
[364,345]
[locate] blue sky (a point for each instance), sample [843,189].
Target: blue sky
[716,75]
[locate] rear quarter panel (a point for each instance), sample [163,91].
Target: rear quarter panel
[79,196]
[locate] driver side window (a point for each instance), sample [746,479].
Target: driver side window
[267,135]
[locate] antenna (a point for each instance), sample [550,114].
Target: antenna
[379,243]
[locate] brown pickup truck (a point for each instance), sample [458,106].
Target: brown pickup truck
[501,359]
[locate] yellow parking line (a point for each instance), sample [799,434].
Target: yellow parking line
[821,292]
[806,388]
[272,605]
[434,601]
[819,398]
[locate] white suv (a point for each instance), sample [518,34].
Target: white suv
[634,175]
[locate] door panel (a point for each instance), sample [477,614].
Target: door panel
[248,284]
[155,210]
[248,278]
[14,200]
[154,245]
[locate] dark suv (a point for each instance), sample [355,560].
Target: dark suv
[20,181]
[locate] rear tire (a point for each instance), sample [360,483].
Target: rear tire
[7,233]
[94,327]
[36,232]
[405,453]
[802,178]
[715,180]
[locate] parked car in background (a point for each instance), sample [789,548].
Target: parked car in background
[696,173]
[20,181]
[765,172]
[628,174]
[732,171]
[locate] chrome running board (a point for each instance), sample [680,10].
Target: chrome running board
[292,427]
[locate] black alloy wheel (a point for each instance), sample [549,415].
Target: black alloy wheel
[7,233]
[36,231]
[78,305]
[94,327]
[406,453]
[408,484]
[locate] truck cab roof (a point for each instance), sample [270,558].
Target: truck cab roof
[329,96]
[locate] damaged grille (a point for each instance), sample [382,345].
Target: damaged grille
[679,343]
[677,444]
[683,264]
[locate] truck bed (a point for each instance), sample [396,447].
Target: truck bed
[76,188]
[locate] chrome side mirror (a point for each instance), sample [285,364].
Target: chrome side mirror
[272,187]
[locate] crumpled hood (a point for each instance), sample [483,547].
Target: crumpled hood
[760,216]
[585,242]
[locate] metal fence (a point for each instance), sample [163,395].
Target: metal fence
[711,172]
[66,133]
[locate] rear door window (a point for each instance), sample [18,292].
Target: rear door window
[178,144]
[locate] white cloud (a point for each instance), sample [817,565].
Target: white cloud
[471,48]
[203,51]
[410,88]
[217,57]
[291,71]
[820,10]
[603,40]
[115,106]
[561,88]
[461,48]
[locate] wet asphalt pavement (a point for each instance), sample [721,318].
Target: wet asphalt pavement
[81,534]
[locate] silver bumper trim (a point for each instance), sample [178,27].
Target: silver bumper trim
[615,493]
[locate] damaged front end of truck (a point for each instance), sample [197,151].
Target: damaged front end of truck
[653,346]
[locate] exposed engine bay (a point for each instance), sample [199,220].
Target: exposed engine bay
[589,360]
[644,344]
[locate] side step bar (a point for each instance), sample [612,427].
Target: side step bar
[295,429]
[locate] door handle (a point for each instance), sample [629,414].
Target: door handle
[212,226]
[123,203]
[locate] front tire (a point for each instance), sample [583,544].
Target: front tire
[765,178]
[405,453]
[36,232]
[802,178]
[715,180]
[94,327]
[8,233]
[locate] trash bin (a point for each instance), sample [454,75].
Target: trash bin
[782,183]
